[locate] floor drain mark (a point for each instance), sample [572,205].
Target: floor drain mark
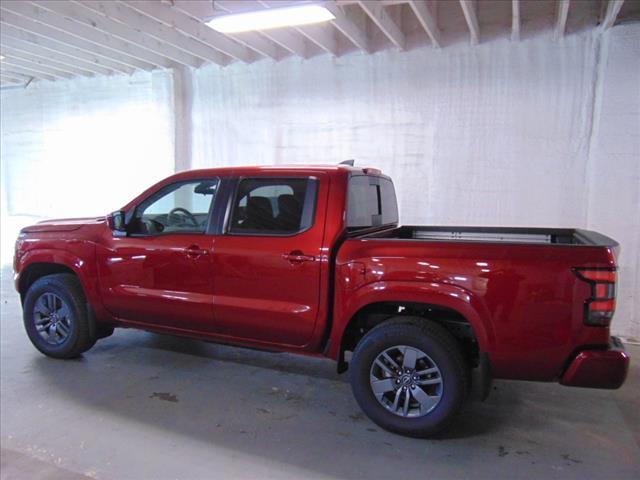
[166,396]
[567,457]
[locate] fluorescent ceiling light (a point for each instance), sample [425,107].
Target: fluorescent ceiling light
[272,18]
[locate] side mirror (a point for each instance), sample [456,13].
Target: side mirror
[117,224]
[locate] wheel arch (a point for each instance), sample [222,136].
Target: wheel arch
[36,271]
[453,307]
[39,263]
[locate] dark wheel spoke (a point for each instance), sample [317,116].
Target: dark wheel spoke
[53,331]
[427,402]
[63,312]
[430,381]
[384,367]
[57,303]
[410,358]
[63,329]
[383,386]
[44,300]
[50,302]
[405,407]
[391,361]
[41,307]
[396,401]
[42,327]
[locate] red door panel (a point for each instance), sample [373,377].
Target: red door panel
[163,280]
[267,288]
[261,295]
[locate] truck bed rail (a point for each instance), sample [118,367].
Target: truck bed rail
[544,236]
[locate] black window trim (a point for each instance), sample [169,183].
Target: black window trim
[308,214]
[160,192]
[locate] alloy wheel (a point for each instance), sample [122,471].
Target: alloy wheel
[406,381]
[52,318]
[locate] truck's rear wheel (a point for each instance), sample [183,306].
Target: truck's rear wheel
[409,376]
[55,316]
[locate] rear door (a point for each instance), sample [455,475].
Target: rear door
[267,261]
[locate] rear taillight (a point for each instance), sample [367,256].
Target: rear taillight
[600,306]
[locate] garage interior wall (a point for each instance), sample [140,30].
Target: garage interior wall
[82,147]
[535,133]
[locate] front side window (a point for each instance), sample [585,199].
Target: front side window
[273,206]
[182,207]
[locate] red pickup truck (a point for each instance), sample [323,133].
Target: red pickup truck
[311,259]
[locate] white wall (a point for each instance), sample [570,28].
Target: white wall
[82,147]
[538,133]
[613,166]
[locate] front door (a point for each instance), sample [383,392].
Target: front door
[161,272]
[267,261]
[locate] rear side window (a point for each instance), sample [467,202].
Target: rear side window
[372,202]
[273,206]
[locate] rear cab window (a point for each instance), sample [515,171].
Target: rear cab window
[371,202]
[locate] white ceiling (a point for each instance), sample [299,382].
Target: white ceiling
[50,40]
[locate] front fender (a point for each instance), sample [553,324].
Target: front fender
[81,261]
[444,295]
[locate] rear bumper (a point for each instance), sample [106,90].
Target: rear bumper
[598,368]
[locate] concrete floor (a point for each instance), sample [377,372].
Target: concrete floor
[145,406]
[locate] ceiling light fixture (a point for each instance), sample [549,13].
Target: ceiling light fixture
[270,19]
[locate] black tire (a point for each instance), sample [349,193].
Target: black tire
[441,351]
[67,291]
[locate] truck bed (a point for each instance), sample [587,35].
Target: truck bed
[549,236]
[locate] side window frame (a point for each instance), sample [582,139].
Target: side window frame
[171,187]
[308,217]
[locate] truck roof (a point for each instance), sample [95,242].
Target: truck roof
[258,169]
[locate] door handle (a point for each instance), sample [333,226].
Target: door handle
[194,251]
[298,257]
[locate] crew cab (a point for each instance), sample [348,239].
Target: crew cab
[312,260]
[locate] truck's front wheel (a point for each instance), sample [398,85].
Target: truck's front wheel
[409,376]
[55,316]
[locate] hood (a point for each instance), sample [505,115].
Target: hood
[62,224]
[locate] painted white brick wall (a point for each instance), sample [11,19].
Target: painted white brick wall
[499,134]
[536,133]
[82,147]
[613,167]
